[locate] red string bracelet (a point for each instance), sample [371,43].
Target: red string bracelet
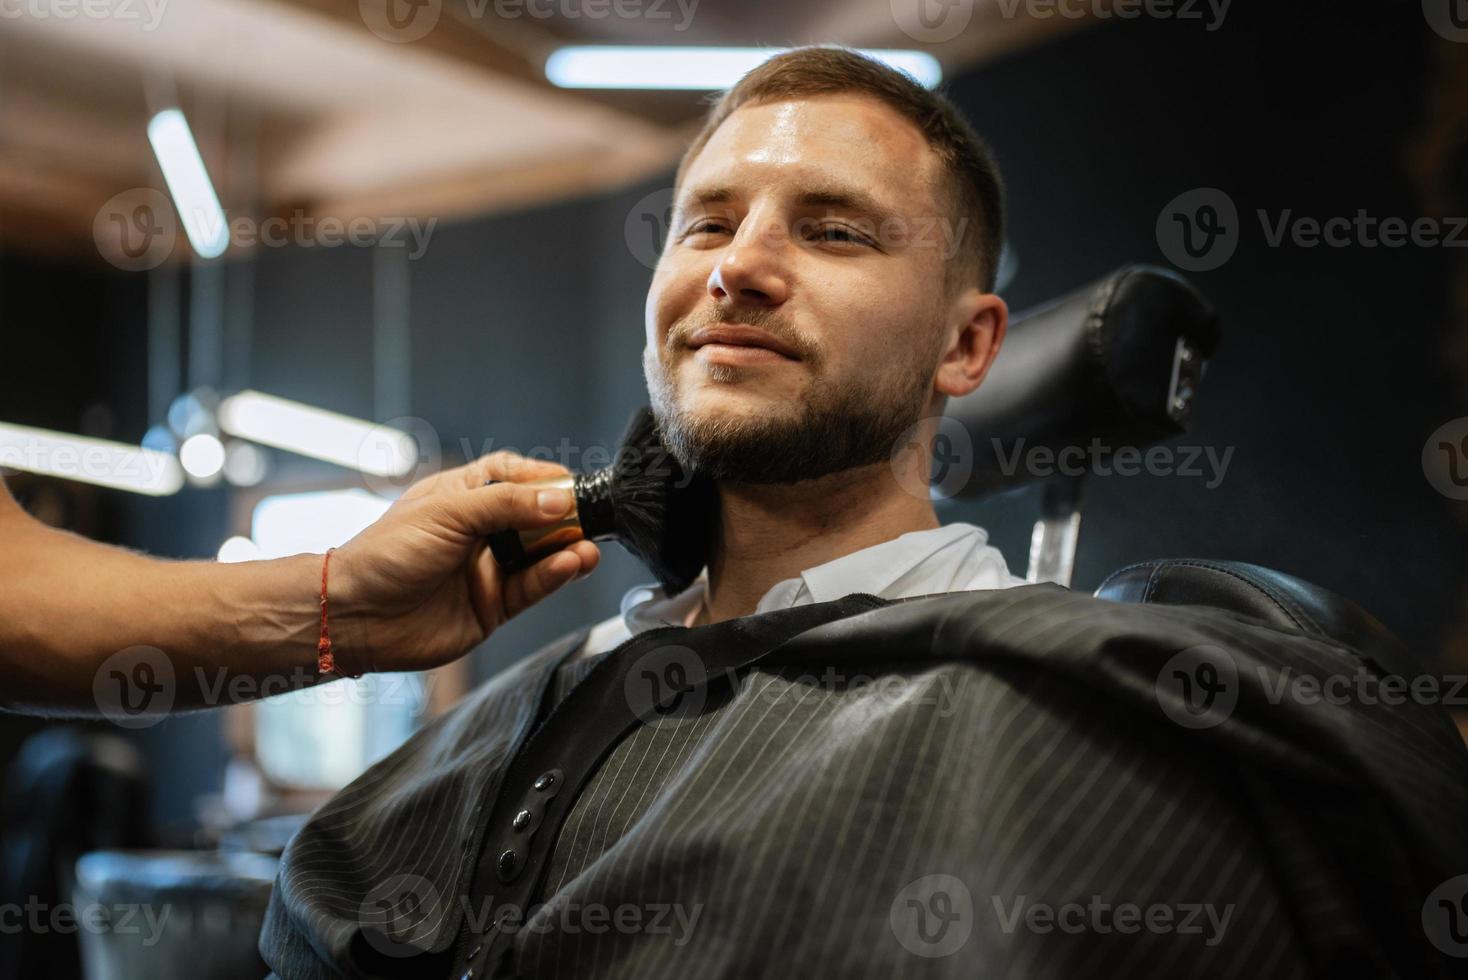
[325,656]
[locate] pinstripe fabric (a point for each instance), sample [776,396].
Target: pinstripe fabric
[982,787]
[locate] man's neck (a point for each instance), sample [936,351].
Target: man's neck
[769,533]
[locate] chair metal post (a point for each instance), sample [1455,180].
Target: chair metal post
[1053,541]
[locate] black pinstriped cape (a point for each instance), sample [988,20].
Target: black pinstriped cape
[1026,782]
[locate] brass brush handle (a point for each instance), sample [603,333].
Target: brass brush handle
[514,549]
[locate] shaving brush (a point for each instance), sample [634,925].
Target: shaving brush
[645,500]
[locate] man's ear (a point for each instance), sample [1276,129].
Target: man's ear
[978,323]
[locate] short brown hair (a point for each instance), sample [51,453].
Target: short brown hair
[976,190]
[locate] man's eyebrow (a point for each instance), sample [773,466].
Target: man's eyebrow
[847,200]
[842,198]
[706,195]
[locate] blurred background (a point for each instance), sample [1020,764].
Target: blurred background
[437,219]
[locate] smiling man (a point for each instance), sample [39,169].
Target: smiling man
[852,747]
[825,287]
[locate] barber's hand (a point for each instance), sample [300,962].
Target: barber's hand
[420,588]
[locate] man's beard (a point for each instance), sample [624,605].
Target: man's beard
[835,427]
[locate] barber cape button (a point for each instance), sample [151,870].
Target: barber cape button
[545,781]
[508,865]
[521,821]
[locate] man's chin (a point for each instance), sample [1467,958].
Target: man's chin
[738,397]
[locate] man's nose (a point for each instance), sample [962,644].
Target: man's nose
[753,270]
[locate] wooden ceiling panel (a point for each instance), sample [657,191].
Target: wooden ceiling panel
[309,104]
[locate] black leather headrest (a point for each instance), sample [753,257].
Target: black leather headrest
[1100,364]
[1274,597]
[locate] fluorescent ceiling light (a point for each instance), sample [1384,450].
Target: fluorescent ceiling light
[238,549]
[188,182]
[377,450]
[296,523]
[667,67]
[96,461]
[202,456]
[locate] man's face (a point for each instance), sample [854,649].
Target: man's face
[796,316]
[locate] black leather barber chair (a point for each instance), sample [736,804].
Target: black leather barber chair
[1119,364]
[67,792]
[173,915]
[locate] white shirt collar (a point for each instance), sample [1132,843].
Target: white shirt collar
[951,558]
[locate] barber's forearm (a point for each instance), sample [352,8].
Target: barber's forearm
[70,604]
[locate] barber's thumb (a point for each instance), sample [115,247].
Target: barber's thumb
[510,506]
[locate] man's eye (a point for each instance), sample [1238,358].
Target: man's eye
[841,233]
[705,227]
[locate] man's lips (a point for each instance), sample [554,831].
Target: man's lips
[741,335]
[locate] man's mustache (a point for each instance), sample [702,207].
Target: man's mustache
[770,321]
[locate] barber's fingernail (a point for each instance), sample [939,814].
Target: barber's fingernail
[553,502]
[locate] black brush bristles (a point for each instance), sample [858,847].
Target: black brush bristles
[645,500]
[662,514]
